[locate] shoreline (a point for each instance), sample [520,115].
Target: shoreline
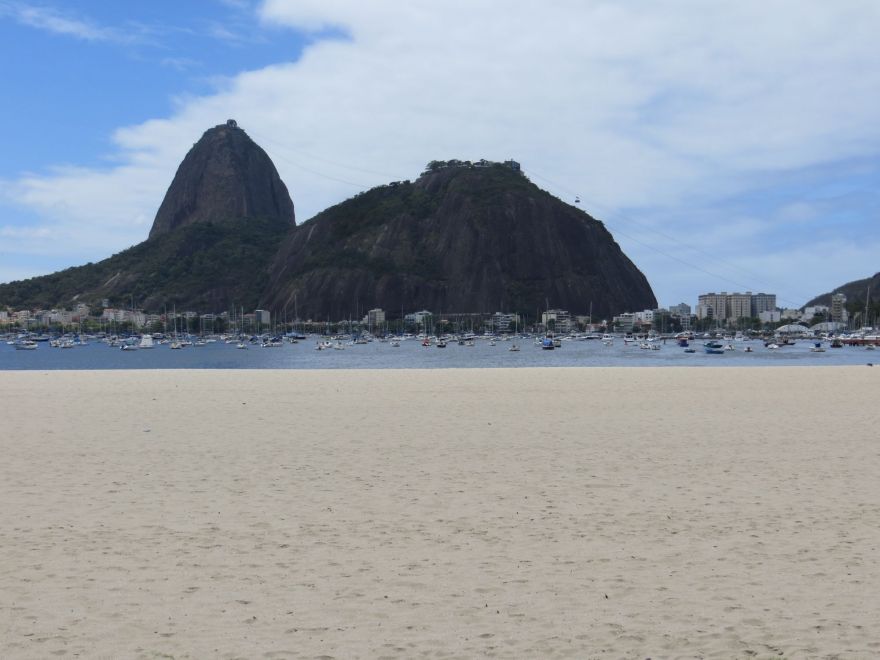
[523,512]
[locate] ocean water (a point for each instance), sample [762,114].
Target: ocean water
[412,355]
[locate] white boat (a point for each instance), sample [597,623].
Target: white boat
[25,345]
[241,345]
[514,348]
[146,341]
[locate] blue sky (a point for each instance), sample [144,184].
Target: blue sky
[728,146]
[72,75]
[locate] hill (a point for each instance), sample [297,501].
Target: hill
[855,291]
[461,238]
[218,226]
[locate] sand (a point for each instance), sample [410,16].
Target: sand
[530,513]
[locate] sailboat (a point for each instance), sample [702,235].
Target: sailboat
[515,347]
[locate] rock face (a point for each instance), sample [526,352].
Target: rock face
[225,176]
[459,239]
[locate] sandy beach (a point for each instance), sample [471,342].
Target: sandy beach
[529,513]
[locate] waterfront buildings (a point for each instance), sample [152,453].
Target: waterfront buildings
[503,322]
[559,318]
[374,319]
[728,308]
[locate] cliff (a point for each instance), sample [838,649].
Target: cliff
[226,175]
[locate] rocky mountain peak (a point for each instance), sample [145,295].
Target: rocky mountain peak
[225,176]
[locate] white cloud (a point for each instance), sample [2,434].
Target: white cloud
[632,105]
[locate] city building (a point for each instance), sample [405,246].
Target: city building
[739,305]
[681,310]
[418,318]
[714,305]
[503,322]
[624,322]
[838,308]
[813,311]
[375,319]
[645,317]
[730,307]
[560,319]
[762,302]
[262,317]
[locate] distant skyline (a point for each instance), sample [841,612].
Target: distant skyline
[727,146]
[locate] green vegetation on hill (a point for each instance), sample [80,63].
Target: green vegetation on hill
[206,266]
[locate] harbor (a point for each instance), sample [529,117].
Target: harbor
[428,352]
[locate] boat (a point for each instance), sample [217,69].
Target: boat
[395,343]
[25,345]
[817,348]
[748,349]
[713,348]
[690,350]
[514,348]
[240,345]
[441,343]
[772,347]
[547,344]
[146,341]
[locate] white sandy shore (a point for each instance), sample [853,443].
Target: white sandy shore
[532,513]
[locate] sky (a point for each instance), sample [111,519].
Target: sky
[727,146]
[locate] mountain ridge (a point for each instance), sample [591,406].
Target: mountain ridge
[462,237]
